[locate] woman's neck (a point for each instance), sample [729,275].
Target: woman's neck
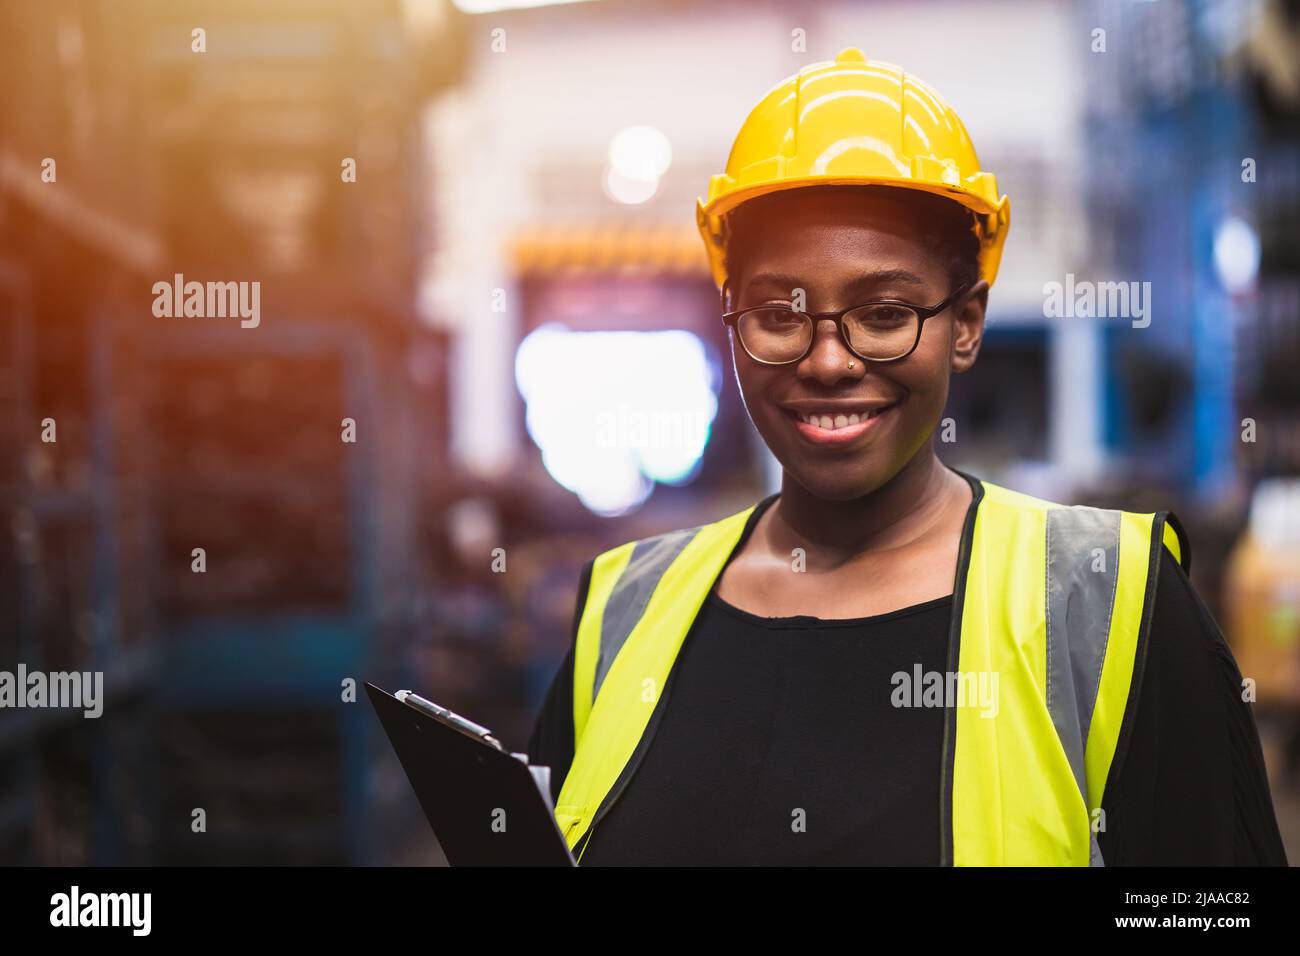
[895,516]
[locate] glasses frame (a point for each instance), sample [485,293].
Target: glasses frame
[731,319]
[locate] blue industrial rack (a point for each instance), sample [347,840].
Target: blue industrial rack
[297,659]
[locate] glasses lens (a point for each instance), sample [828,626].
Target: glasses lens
[882,332]
[775,334]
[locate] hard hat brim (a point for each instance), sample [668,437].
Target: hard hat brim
[992,219]
[730,200]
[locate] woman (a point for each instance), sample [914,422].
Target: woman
[889,662]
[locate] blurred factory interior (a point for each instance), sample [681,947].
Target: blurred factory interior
[515,237]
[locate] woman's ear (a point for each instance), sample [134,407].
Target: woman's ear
[968,327]
[726,294]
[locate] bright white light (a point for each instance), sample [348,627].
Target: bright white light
[492,6]
[1236,254]
[628,191]
[638,158]
[614,412]
[640,153]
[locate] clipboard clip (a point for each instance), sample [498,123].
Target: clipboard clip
[424,706]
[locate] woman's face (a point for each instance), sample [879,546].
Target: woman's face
[843,248]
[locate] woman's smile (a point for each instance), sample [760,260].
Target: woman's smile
[839,423]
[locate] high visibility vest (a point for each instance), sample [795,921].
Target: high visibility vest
[1055,601]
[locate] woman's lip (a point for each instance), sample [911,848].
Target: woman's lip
[838,436]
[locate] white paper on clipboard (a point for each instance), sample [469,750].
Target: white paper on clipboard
[541,777]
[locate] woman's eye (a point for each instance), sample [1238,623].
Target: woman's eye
[888,315]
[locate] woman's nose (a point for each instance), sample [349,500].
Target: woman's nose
[829,360]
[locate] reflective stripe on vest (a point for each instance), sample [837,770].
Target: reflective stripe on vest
[1051,604]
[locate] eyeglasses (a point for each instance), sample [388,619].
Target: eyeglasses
[881,331]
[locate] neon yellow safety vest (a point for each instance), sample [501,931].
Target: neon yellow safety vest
[1055,601]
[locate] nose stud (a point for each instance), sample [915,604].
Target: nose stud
[850,363]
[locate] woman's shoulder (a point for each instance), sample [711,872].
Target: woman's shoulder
[730,524]
[1011,504]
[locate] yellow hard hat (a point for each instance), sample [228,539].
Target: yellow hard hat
[854,122]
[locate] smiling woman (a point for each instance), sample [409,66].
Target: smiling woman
[730,694]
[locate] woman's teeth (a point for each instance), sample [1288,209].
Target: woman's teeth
[830,423]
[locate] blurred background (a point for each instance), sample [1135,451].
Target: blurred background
[506,294]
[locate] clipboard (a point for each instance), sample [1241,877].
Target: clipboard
[487,806]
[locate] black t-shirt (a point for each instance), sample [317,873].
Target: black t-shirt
[776,746]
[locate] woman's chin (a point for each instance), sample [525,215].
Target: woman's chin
[843,483]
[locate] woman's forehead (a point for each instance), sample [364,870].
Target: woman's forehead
[793,242]
[829,211]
